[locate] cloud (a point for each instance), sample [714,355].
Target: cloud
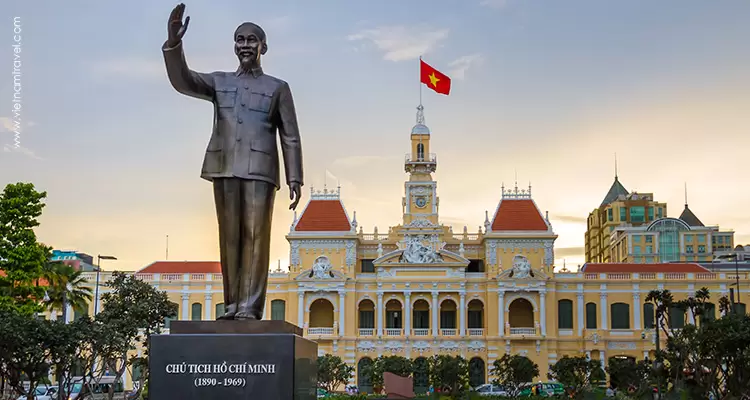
[20,150]
[6,124]
[359,161]
[569,251]
[569,218]
[494,3]
[462,64]
[401,43]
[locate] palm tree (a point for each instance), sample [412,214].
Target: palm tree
[66,287]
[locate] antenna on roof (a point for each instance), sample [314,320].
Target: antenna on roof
[166,258]
[686,203]
[615,165]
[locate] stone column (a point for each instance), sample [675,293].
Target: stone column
[380,314]
[603,311]
[301,310]
[602,359]
[342,313]
[645,354]
[543,312]
[207,306]
[581,314]
[407,313]
[501,314]
[462,315]
[638,324]
[69,314]
[435,308]
[185,307]
[691,317]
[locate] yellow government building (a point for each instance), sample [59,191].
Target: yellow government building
[419,288]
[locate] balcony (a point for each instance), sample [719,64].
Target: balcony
[523,331]
[394,331]
[420,158]
[476,332]
[320,331]
[366,332]
[420,332]
[448,332]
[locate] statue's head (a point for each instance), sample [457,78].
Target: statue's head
[249,44]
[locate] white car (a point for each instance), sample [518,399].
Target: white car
[43,392]
[489,389]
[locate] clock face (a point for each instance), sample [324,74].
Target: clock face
[420,201]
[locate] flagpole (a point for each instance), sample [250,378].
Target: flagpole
[420,80]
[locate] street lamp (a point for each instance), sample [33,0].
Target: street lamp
[99,259]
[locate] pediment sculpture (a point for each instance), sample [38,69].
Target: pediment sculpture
[521,268]
[417,252]
[321,268]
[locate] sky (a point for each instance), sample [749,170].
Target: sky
[545,91]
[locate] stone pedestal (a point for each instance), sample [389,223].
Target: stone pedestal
[207,360]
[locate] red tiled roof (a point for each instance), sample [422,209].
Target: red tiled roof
[41,282]
[182,267]
[323,215]
[639,268]
[518,215]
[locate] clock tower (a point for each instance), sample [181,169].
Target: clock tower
[420,204]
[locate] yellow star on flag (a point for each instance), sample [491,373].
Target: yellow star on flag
[434,79]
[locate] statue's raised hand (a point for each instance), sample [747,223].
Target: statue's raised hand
[175,28]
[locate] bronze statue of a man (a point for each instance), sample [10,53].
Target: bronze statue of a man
[241,159]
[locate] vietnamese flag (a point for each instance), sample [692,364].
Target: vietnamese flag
[434,79]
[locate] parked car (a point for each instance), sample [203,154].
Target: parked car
[489,389]
[548,389]
[43,392]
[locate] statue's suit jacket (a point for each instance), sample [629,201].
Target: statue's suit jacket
[249,109]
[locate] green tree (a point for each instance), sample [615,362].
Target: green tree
[576,374]
[133,310]
[333,372]
[449,374]
[626,373]
[512,372]
[67,286]
[22,258]
[24,350]
[398,365]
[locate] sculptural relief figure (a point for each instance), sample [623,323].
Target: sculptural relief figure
[322,268]
[521,267]
[251,110]
[416,252]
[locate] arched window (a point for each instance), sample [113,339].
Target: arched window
[649,319]
[669,237]
[363,379]
[278,310]
[476,372]
[590,315]
[421,375]
[420,152]
[565,314]
[196,312]
[620,315]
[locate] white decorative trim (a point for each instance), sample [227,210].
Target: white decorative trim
[317,296]
[351,252]
[510,299]
[421,346]
[449,346]
[491,252]
[365,346]
[394,346]
[476,345]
